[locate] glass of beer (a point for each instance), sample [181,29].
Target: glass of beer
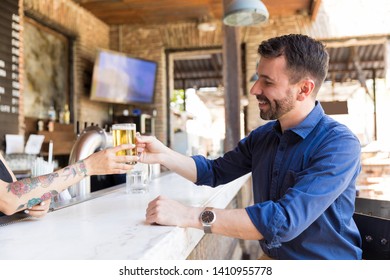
[124,133]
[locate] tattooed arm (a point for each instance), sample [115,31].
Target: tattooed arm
[28,192]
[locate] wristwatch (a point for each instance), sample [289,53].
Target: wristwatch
[207,218]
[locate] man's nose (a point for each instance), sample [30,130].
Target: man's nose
[255,89]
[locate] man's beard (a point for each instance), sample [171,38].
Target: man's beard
[277,108]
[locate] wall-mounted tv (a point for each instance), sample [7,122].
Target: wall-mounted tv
[119,78]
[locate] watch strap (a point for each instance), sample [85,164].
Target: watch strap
[207,228]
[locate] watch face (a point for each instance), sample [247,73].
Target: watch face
[208,217]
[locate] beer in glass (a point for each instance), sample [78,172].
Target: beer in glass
[124,133]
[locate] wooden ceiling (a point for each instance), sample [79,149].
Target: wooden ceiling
[119,12]
[356,59]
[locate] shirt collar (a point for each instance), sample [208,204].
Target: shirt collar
[307,125]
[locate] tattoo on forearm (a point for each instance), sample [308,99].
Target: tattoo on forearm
[81,168]
[69,171]
[76,169]
[35,201]
[24,186]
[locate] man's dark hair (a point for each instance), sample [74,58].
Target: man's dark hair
[304,56]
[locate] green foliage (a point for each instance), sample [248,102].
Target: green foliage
[177,100]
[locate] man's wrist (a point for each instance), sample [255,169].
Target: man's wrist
[193,218]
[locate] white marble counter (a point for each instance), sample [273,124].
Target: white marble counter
[112,226]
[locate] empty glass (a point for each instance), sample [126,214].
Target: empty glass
[138,179]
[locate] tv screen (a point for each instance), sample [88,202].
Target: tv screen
[119,78]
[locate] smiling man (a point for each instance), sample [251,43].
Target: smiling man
[304,165]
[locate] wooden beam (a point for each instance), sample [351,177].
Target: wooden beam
[355,58]
[214,62]
[314,7]
[349,42]
[343,66]
[200,78]
[232,83]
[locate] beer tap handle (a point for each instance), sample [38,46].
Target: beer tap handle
[77,128]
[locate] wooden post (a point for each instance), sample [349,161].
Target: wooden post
[375,105]
[232,83]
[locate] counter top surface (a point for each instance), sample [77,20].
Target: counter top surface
[112,226]
[379,191]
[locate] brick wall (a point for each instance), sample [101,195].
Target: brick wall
[90,34]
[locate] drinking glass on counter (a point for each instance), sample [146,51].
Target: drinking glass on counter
[124,133]
[138,179]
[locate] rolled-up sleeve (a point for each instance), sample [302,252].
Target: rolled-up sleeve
[203,171]
[268,218]
[222,170]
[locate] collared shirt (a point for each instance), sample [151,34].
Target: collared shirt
[303,186]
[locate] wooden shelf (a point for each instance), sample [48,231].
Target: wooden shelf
[63,142]
[63,137]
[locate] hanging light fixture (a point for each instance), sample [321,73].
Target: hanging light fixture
[245,12]
[207,25]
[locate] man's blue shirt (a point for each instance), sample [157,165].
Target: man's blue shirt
[303,186]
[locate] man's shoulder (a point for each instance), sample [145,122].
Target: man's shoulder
[338,131]
[331,124]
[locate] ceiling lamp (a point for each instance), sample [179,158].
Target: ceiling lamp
[245,12]
[207,25]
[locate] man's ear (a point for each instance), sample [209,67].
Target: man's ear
[306,88]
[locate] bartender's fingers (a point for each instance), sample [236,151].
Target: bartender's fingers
[124,159]
[122,147]
[39,210]
[107,162]
[121,168]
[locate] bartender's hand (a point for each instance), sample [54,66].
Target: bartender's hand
[107,162]
[39,210]
[165,211]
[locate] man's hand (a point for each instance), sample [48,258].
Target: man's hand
[165,211]
[150,149]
